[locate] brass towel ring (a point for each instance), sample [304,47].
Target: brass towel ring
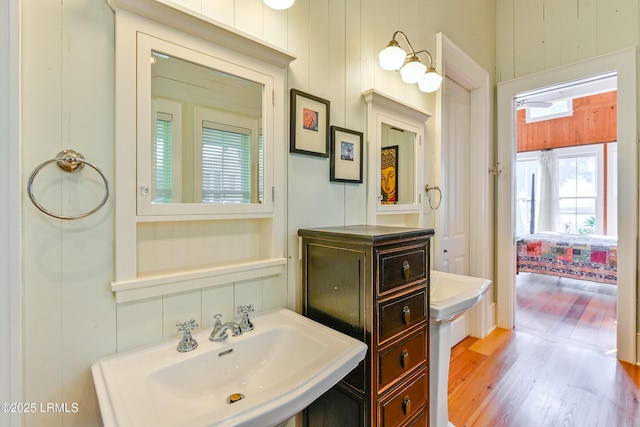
[68,161]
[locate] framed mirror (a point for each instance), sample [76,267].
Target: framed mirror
[187,85]
[203,133]
[396,174]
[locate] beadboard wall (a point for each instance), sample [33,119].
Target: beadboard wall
[70,316]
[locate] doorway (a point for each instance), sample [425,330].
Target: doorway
[623,65]
[566,210]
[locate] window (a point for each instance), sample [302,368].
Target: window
[226,164]
[228,158]
[578,188]
[162,148]
[556,109]
[166,152]
[581,183]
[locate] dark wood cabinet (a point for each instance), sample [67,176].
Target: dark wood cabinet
[372,283]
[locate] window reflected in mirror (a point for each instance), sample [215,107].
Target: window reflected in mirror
[207,144]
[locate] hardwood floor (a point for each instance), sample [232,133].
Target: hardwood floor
[556,368]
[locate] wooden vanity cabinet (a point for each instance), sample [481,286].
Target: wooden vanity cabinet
[372,283]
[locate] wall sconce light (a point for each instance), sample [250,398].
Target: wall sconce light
[393,58]
[279,4]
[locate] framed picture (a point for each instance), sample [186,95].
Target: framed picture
[346,155]
[309,124]
[389,174]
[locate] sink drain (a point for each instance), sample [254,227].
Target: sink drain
[233,398]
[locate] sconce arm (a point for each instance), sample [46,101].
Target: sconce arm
[398,32]
[428,55]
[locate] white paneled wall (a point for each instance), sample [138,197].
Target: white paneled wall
[539,35]
[70,316]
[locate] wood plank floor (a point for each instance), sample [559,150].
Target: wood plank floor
[556,368]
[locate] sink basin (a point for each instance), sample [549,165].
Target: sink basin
[453,294]
[275,371]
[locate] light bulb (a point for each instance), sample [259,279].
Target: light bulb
[430,81]
[392,57]
[279,4]
[412,70]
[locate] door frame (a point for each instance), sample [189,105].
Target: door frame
[624,64]
[454,63]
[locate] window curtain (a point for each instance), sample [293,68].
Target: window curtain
[549,204]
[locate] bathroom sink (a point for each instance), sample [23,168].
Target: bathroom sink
[453,294]
[268,374]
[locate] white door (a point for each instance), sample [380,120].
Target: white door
[463,156]
[453,255]
[455,183]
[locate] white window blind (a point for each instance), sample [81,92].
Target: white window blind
[226,163]
[162,167]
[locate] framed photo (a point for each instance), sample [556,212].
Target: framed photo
[389,174]
[309,124]
[346,155]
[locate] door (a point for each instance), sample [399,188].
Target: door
[464,161]
[455,180]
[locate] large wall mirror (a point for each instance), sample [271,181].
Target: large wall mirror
[203,149]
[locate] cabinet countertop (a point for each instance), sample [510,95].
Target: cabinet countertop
[372,233]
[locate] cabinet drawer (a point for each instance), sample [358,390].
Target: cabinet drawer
[399,314]
[402,357]
[405,403]
[398,268]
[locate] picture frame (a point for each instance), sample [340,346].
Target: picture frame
[389,174]
[346,155]
[309,124]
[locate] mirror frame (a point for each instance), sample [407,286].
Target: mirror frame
[166,20]
[146,44]
[383,109]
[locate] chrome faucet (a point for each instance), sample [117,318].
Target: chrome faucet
[220,330]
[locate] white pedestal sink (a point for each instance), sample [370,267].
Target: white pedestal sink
[260,378]
[450,296]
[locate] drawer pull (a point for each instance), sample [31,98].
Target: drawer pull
[406,315]
[404,358]
[406,405]
[406,270]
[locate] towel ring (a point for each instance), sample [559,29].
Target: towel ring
[427,189]
[69,161]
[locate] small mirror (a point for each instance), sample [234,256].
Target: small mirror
[206,140]
[397,164]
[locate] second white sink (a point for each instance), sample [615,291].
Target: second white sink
[273,372]
[453,294]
